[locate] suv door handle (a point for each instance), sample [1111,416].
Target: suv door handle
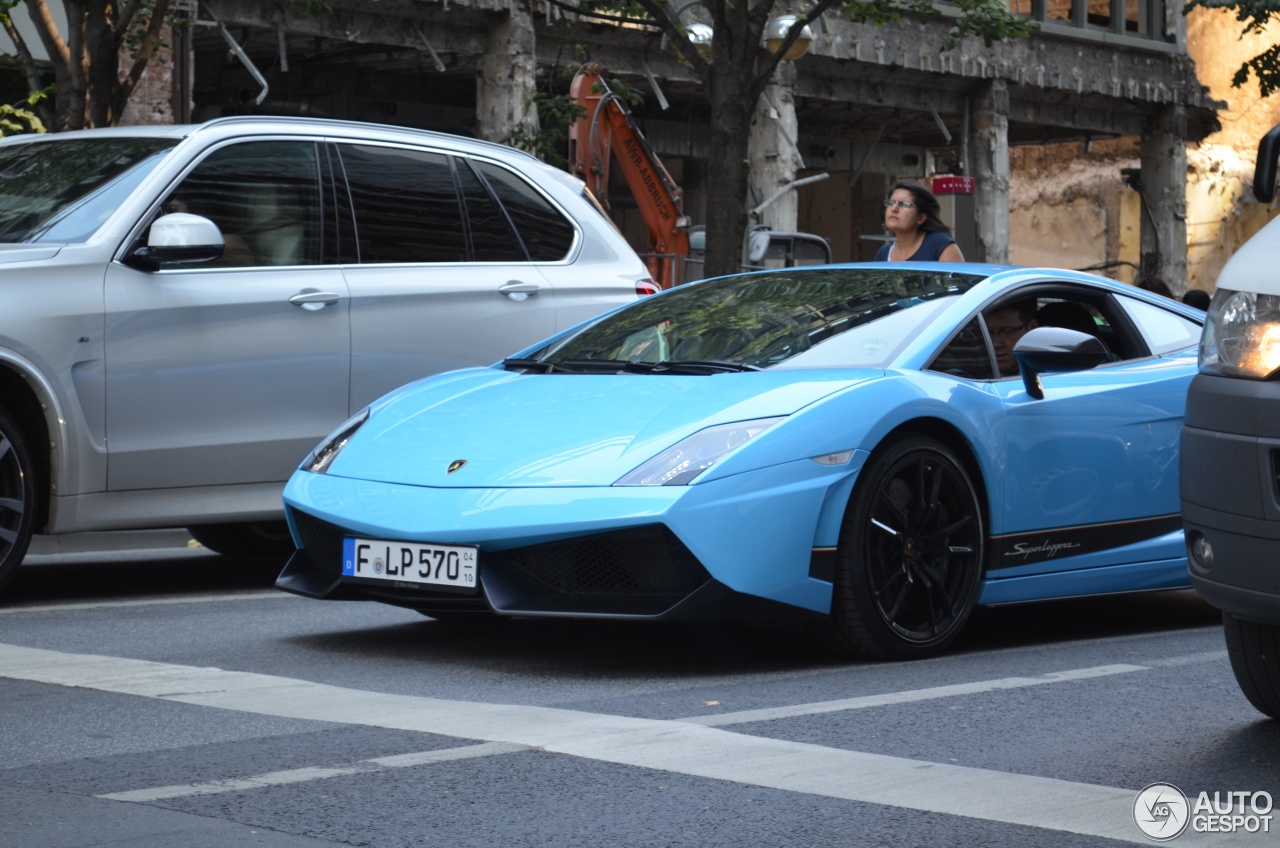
[311,300]
[517,287]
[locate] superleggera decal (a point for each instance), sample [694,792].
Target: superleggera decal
[1043,545]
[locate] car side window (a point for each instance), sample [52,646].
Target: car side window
[406,204]
[265,198]
[1083,317]
[492,239]
[546,233]
[966,355]
[1165,330]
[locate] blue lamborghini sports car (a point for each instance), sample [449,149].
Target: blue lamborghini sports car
[876,447]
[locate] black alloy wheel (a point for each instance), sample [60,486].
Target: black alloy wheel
[17,498]
[910,555]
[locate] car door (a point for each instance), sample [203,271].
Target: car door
[1092,466]
[443,281]
[230,372]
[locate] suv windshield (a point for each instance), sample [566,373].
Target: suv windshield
[750,322]
[62,190]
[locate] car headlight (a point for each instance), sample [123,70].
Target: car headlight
[319,460]
[1241,335]
[685,460]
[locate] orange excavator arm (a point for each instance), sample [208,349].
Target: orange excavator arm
[607,130]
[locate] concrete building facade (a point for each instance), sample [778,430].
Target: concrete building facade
[1026,120]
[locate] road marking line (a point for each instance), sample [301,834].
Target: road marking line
[148,602]
[670,746]
[908,697]
[305,775]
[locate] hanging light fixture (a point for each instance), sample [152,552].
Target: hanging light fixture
[776,32]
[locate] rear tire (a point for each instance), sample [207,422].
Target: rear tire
[910,555]
[17,498]
[252,539]
[1255,658]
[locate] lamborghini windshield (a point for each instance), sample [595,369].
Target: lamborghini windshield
[810,317]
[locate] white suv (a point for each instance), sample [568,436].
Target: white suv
[186,311]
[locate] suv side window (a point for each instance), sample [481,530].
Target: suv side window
[406,204]
[492,239]
[264,196]
[547,235]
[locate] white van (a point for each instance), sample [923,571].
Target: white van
[1230,465]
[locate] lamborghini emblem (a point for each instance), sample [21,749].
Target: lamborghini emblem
[456,464]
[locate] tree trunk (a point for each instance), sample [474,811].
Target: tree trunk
[727,184]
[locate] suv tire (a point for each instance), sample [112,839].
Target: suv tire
[17,497]
[254,539]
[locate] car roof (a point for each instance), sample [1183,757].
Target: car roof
[1252,267]
[239,126]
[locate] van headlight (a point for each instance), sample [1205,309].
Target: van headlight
[1241,335]
[319,460]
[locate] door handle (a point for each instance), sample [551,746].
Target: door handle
[516,287]
[311,300]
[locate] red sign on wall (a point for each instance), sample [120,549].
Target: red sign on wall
[953,185]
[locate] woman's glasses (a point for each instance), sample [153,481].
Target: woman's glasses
[901,204]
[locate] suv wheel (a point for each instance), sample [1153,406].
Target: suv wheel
[1255,658]
[252,539]
[17,498]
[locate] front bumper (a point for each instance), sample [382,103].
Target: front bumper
[583,551]
[1230,481]
[639,572]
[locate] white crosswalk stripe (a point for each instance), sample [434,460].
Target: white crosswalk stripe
[673,746]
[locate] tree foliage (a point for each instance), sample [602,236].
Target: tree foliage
[735,72]
[16,119]
[1255,15]
[91,82]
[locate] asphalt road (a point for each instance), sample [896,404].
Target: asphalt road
[162,695]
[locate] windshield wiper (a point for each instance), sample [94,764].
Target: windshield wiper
[576,366]
[702,366]
[622,366]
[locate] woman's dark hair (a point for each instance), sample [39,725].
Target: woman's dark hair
[925,202]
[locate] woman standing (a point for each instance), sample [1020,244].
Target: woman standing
[912,217]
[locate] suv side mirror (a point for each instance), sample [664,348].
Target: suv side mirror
[758,245]
[179,238]
[1056,349]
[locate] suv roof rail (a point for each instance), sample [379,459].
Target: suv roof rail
[346,124]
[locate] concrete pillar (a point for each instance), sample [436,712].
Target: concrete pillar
[990,164]
[772,151]
[506,80]
[1163,182]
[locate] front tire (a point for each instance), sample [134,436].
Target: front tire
[1255,658]
[252,539]
[910,555]
[17,498]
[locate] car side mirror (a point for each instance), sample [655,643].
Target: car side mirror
[179,238]
[758,245]
[1056,349]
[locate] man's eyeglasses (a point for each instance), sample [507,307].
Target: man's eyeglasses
[1004,334]
[901,204]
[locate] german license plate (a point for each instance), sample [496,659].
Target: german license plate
[410,562]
